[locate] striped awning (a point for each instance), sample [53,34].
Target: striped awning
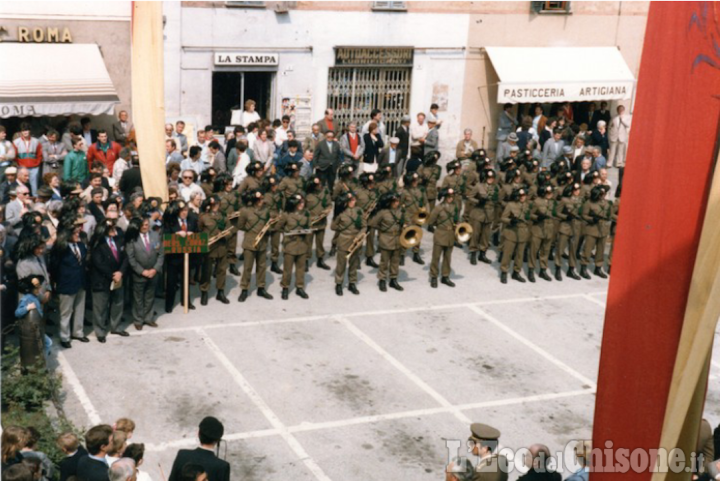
[40,79]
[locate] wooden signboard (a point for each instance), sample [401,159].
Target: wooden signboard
[190,244]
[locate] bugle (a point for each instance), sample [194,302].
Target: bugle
[421,216]
[463,232]
[263,231]
[369,210]
[321,216]
[219,236]
[411,236]
[357,242]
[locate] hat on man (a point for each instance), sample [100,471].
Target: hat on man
[514,148]
[405,118]
[211,428]
[11,171]
[567,150]
[483,432]
[512,137]
[394,140]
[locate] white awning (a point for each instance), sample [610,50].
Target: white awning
[560,74]
[38,79]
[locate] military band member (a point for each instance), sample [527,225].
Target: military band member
[542,232]
[456,181]
[292,184]
[516,234]
[429,177]
[295,226]
[568,211]
[482,201]
[346,183]
[318,202]
[471,173]
[591,179]
[413,199]
[253,217]
[274,201]
[443,219]
[596,228]
[367,197]
[386,181]
[530,170]
[389,221]
[615,211]
[229,205]
[348,222]
[213,223]
[254,179]
[207,179]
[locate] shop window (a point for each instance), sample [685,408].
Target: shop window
[550,7]
[390,6]
[242,4]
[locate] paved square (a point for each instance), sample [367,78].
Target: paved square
[356,387]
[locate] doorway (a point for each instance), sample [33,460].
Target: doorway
[230,90]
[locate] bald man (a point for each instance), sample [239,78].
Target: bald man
[537,460]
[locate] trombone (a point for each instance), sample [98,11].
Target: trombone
[263,231]
[321,216]
[357,242]
[220,235]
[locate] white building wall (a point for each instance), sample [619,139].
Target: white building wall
[305,41]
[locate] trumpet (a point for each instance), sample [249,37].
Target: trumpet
[369,210]
[220,235]
[234,215]
[263,231]
[321,216]
[357,242]
[410,236]
[421,216]
[463,232]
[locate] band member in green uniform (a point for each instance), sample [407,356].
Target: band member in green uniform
[596,228]
[413,200]
[570,227]
[389,221]
[295,226]
[229,205]
[516,234]
[212,222]
[482,201]
[367,200]
[542,232]
[349,224]
[253,218]
[275,201]
[319,205]
[430,174]
[443,219]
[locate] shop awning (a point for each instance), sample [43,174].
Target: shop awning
[559,74]
[39,79]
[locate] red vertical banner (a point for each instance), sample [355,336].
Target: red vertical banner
[672,153]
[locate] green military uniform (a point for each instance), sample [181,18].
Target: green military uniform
[229,204]
[472,179]
[516,234]
[412,200]
[455,182]
[249,183]
[348,225]
[443,218]
[483,201]
[207,188]
[429,177]
[341,187]
[213,223]
[491,466]
[291,185]
[251,221]
[295,247]
[613,227]
[274,201]
[389,223]
[317,203]
[596,229]
[569,232]
[365,198]
[542,232]
[385,186]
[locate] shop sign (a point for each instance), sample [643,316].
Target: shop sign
[247,59]
[564,92]
[373,57]
[42,34]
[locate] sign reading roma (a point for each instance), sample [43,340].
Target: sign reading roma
[568,92]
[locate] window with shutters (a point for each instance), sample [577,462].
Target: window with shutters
[390,6]
[551,7]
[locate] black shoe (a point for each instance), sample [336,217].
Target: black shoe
[458,245]
[558,274]
[261,292]
[333,251]
[321,264]
[402,260]
[275,268]
[433,282]
[353,288]
[66,344]
[394,284]
[503,277]
[338,289]
[168,309]
[81,339]
[447,282]
[599,272]
[191,306]
[120,333]
[496,239]
[241,257]
[544,275]
[531,276]
[243,295]
[203,298]
[221,297]
[483,258]
[473,258]
[499,258]
[431,229]
[383,286]
[371,262]
[285,294]
[234,270]
[300,292]
[417,259]
[101,340]
[518,277]
[572,274]
[584,273]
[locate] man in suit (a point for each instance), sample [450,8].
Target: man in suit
[327,158]
[210,433]
[94,466]
[183,226]
[432,139]
[10,183]
[74,452]
[121,128]
[68,264]
[131,179]
[145,256]
[403,135]
[552,149]
[109,264]
[618,137]
[466,146]
[19,204]
[353,145]
[390,155]
[311,141]
[327,123]
[598,115]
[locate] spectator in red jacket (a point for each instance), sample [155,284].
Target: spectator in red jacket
[28,152]
[104,150]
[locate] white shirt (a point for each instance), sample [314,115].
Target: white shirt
[119,167]
[251,138]
[249,117]
[240,173]
[418,132]
[186,190]
[280,135]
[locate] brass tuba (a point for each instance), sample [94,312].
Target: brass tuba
[411,236]
[463,232]
[421,216]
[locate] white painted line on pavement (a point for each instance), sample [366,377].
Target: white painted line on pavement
[264,408]
[401,367]
[78,388]
[534,347]
[593,300]
[190,441]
